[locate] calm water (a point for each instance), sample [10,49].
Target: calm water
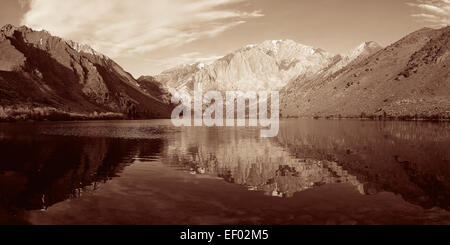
[148,172]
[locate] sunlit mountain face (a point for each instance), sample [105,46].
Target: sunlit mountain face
[269,65]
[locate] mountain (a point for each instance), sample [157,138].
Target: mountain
[270,65]
[266,66]
[408,79]
[153,87]
[357,54]
[46,77]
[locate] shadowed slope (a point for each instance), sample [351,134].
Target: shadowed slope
[42,76]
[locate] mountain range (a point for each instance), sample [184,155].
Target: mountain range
[47,77]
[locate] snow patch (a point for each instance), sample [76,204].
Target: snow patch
[84,48]
[201,66]
[361,49]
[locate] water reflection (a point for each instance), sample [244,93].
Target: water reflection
[36,173]
[410,159]
[404,158]
[45,163]
[259,164]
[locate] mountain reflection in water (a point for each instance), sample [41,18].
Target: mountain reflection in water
[44,164]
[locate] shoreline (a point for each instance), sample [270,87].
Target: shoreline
[433,118]
[85,119]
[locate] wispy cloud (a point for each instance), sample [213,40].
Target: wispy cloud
[435,13]
[117,27]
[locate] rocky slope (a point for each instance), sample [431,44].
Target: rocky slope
[408,79]
[266,66]
[46,77]
[153,87]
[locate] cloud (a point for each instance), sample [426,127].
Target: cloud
[118,28]
[435,13]
[176,38]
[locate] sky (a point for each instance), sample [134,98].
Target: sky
[148,36]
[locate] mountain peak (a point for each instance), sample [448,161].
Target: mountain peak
[370,44]
[84,48]
[364,48]
[39,38]
[280,42]
[287,49]
[7,27]
[275,45]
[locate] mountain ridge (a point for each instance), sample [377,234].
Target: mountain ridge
[409,79]
[47,77]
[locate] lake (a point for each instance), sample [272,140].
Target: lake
[149,172]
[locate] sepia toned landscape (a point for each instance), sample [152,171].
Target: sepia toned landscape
[85,107]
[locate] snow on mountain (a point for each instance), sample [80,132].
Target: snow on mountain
[363,49]
[266,66]
[358,53]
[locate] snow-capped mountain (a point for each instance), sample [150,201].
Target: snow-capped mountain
[266,66]
[270,65]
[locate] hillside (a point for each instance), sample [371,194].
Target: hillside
[46,77]
[409,79]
